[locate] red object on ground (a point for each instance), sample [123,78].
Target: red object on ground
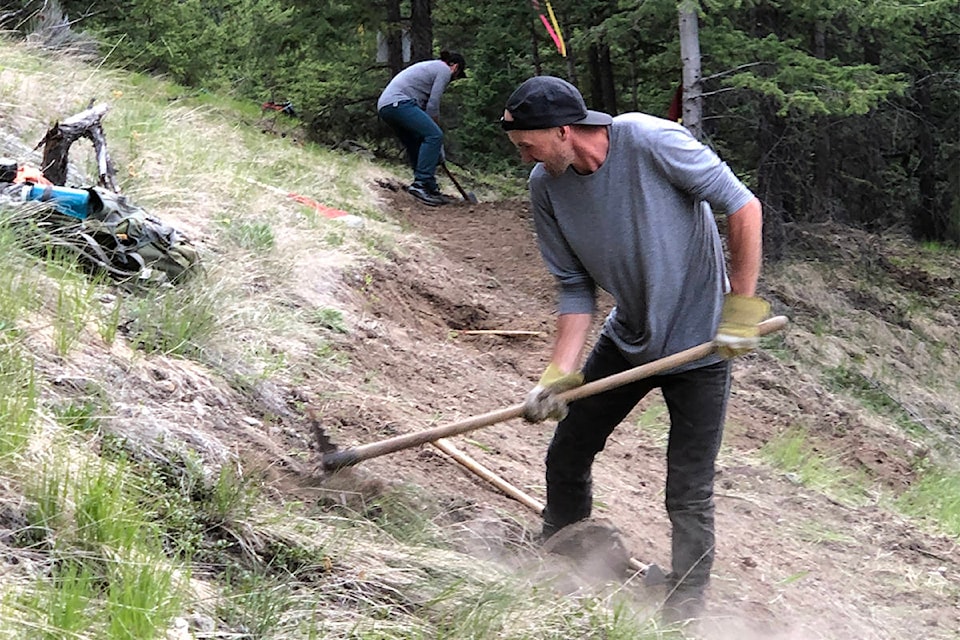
[283,107]
[322,209]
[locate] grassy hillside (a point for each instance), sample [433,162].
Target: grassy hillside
[127,511]
[158,468]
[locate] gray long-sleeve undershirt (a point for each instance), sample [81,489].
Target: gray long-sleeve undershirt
[640,228]
[423,82]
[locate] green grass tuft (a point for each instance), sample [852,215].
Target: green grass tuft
[176,321]
[935,495]
[871,395]
[18,399]
[805,464]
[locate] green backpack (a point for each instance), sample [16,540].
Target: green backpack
[131,244]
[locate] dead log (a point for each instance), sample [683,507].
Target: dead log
[56,146]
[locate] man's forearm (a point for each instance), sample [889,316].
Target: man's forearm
[745,240]
[572,330]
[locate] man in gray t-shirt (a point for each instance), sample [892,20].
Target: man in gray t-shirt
[410,104]
[626,204]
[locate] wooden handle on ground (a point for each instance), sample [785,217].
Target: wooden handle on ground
[481,471]
[348,457]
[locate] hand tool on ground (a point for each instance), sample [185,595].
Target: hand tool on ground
[469,197]
[484,473]
[334,459]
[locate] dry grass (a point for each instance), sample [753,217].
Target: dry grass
[873,318]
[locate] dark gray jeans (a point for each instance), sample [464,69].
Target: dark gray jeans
[697,402]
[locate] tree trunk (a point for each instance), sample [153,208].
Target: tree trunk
[421,31]
[593,66]
[925,221]
[535,44]
[608,86]
[770,187]
[56,147]
[394,35]
[690,56]
[871,46]
[823,171]
[603,94]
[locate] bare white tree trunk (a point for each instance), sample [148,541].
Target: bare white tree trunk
[56,146]
[690,56]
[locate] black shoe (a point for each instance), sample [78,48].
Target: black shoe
[434,190]
[421,193]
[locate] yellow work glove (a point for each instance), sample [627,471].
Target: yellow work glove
[738,333]
[542,402]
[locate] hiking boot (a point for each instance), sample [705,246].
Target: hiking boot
[440,195]
[423,194]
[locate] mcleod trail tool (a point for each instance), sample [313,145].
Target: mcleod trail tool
[334,459]
[469,197]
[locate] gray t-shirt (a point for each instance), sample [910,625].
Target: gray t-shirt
[423,82]
[641,228]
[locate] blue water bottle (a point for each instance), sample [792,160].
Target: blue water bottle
[71,202]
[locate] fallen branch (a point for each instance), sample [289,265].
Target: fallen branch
[503,332]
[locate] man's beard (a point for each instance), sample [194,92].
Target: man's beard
[558,166]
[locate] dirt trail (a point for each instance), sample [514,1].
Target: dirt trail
[791,562]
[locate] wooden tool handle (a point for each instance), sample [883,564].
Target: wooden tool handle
[486,474]
[347,457]
[454,181]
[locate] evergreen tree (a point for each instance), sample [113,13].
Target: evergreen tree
[832,110]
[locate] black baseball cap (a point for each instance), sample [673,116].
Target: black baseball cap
[544,102]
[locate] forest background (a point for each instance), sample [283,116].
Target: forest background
[832,110]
